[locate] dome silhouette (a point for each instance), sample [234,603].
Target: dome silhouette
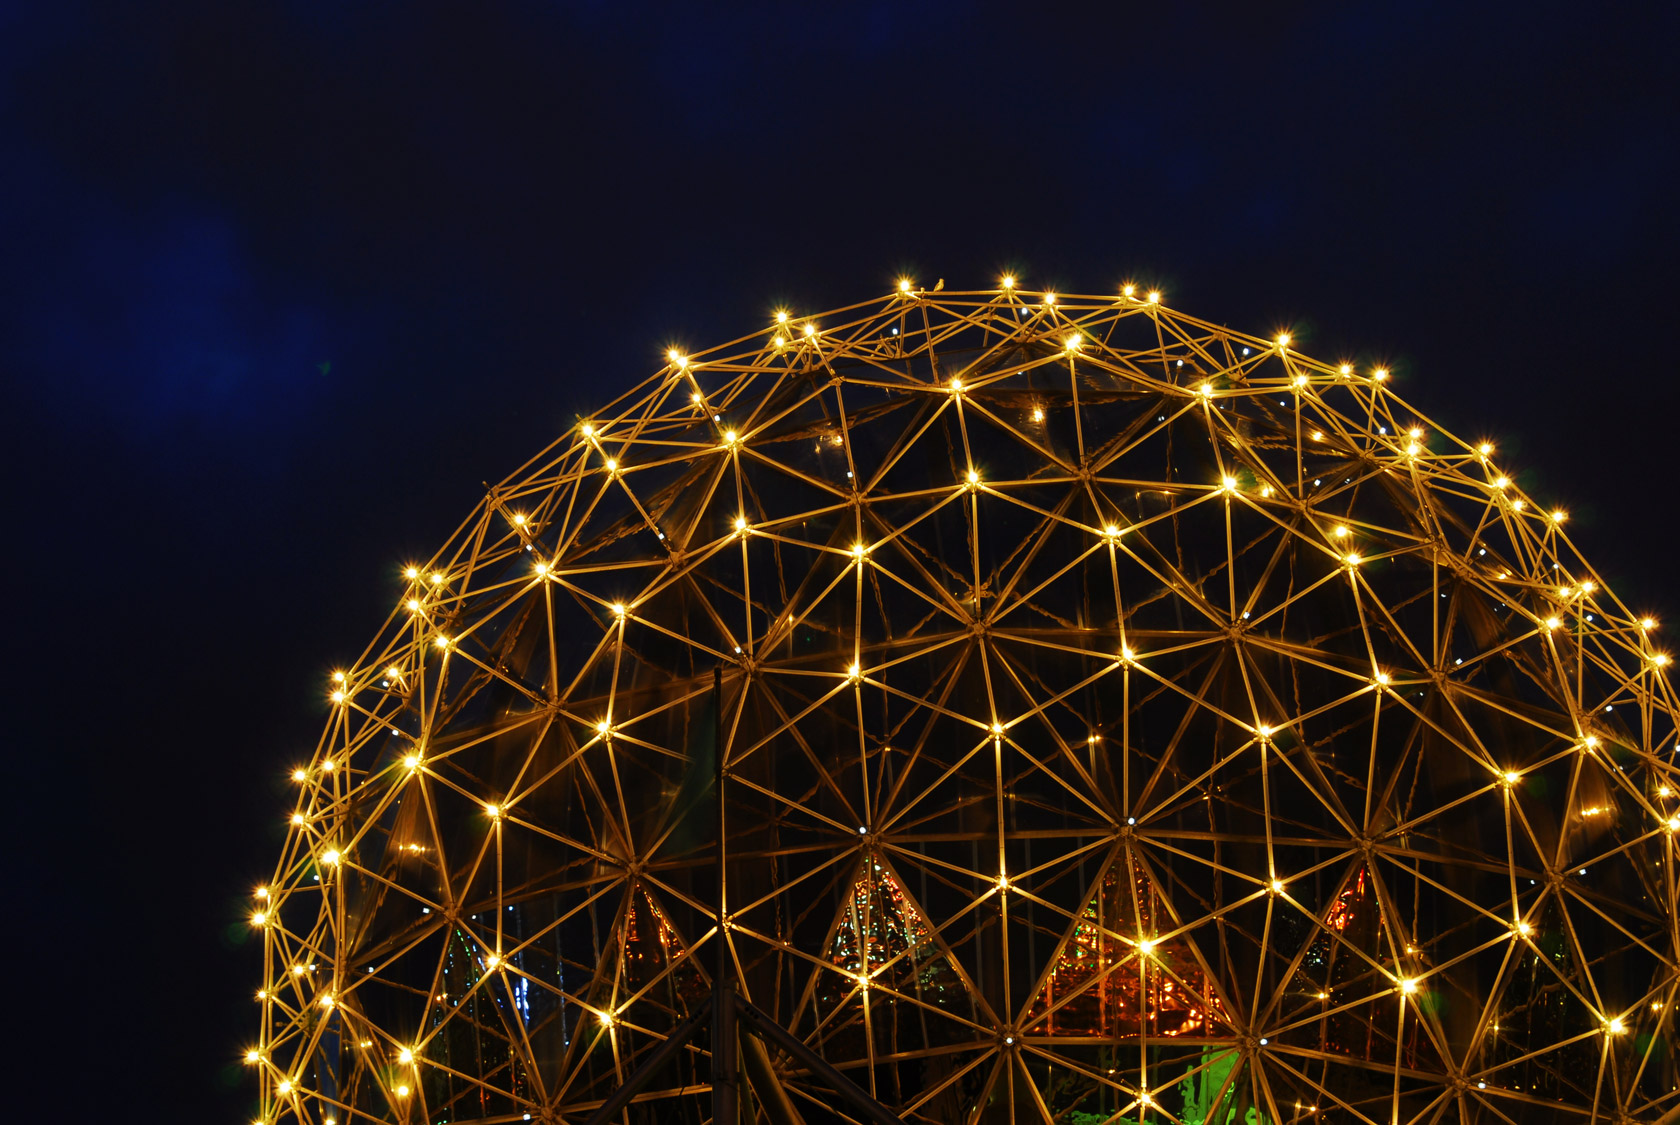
[1125,719]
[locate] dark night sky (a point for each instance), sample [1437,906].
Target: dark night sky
[487,218]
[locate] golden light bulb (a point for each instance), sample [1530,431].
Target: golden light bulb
[1339,531]
[810,330]
[1037,414]
[1277,886]
[778,340]
[606,1018]
[330,857]
[541,568]
[729,437]
[338,697]
[411,573]
[284,1088]
[1283,339]
[436,579]
[262,892]
[413,605]
[405,1056]
[612,465]
[518,520]
[259,919]
[492,960]
[1354,560]
[1007,281]
[1154,296]
[904,285]
[1408,986]
[1485,448]
[587,430]
[1049,298]
[1207,390]
[1346,369]
[412,762]
[1074,341]
[781,316]
[740,523]
[956,386]
[618,609]
[402,1091]
[1380,374]
[1647,622]
[299,775]
[1502,482]
[298,818]
[1128,290]
[492,811]
[1512,777]
[1382,677]
[973,477]
[252,1056]
[1146,946]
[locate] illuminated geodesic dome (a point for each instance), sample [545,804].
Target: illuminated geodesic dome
[1125,719]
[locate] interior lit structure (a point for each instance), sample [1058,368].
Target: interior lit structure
[1125,719]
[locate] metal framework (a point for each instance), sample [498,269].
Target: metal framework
[1124,718]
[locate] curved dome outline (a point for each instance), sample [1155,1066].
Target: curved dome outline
[1125,716]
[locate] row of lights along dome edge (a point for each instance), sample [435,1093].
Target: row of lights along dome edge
[1125,719]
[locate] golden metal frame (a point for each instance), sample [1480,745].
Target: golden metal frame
[1077,653]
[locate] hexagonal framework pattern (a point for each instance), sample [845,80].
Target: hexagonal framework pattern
[1125,719]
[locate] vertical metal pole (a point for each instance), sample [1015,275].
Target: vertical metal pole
[725,1094]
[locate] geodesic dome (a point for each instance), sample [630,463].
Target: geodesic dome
[1124,718]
